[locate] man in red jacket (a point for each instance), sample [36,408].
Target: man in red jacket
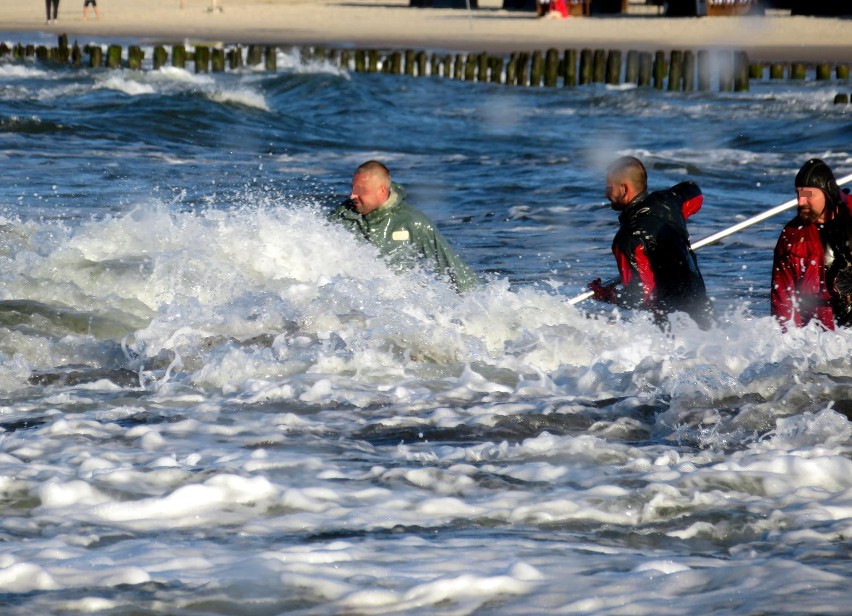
[811,271]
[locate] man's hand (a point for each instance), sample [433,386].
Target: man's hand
[601,292]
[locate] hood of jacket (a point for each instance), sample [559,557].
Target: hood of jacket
[817,174]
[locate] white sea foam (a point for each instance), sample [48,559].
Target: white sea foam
[21,71]
[291,60]
[240,96]
[123,83]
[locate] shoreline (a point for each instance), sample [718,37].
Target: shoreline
[392,24]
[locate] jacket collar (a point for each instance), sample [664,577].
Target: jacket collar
[387,207]
[632,206]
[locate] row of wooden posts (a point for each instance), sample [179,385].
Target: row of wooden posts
[677,71]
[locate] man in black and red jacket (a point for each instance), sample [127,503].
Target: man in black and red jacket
[812,263]
[659,271]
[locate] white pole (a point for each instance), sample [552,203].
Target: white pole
[712,239]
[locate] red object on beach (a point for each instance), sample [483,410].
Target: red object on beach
[559,6]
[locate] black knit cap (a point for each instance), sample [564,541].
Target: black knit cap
[816,174]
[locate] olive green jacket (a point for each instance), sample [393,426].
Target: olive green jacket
[406,237]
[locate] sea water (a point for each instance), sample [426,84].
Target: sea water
[213,401]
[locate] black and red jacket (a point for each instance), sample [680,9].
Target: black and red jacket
[807,259]
[659,271]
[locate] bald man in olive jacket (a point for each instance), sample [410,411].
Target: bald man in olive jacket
[377,210]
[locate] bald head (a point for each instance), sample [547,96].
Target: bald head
[371,185]
[625,178]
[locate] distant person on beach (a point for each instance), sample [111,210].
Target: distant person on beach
[94,5]
[54,6]
[555,9]
[377,211]
[812,264]
[659,271]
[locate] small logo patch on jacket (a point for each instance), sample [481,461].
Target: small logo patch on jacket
[401,236]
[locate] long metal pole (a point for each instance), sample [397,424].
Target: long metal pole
[712,239]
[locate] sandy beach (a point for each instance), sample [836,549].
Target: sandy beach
[392,23]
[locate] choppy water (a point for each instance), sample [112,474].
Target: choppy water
[213,402]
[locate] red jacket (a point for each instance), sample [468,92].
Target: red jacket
[799,293]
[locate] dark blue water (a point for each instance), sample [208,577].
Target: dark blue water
[214,402]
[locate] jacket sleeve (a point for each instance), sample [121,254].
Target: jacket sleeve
[345,215]
[690,196]
[447,261]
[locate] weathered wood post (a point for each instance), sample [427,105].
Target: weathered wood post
[675,70]
[470,67]
[409,62]
[586,60]
[661,67]
[235,57]
[823,71]
[798,71]
[458,67]
[447,66]
[161,57]
[135,55]
[217,60]
[599,66]
[755,70]
[29,50]
[395,62]
[496,68]
[536,68]
[551,68]
[631,67]
[96,56]
[704,70]
[5,50]
[613,67]
[373,61]
[523,76]
[741,63]
[776,71]
[726,71]
[270,58]
[76,55]
[646,63]
[179,56]
[482,67]
[435,65]
[42,53]
[63,52]
[113,56]
[512,69]
[202,59]
[254,55]
[569,68]
[689,66]
[360,61]
[422,60]
[841,99]
[18,52]
[841,71]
